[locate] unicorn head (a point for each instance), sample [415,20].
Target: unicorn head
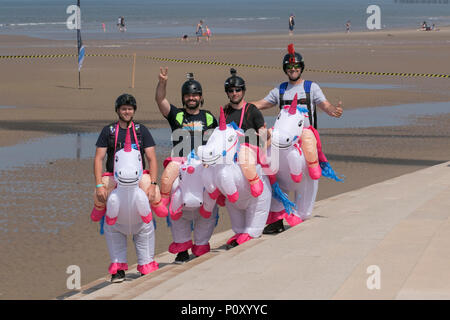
[128,164]
[289,125]
[190,182]
[222,145]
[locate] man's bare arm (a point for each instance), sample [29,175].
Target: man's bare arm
[160,96]
[331,110]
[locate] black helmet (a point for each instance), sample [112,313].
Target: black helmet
[293,58]
[126,99]
[234,81]
[191,86]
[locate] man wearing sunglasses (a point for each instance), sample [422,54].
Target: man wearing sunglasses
[309,96]
[248,118]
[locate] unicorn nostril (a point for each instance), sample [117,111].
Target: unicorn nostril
[201,203]
[210,153]
[184,204]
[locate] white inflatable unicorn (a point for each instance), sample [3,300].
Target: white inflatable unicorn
[128,213]
[223,176]
[190,206]
[295,155]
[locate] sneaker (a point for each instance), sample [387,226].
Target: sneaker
[275,227]
[118,277]
[182,257]
[232,244]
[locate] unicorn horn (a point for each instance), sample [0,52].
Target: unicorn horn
[293,107]
[222,122]
[127,147]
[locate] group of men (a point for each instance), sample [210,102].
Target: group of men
[195,122]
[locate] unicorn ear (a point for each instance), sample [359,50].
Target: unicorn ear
[127,147]
[222,121]
[293,107]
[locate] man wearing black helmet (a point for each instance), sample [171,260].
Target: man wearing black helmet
[193,121]
[112,139]
[309,96]
[248,118]
[190,126]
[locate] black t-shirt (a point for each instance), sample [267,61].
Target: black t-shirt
[253,119]
[191,127]
[107,137]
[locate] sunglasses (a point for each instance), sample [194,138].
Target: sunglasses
[293,66]
[234,90]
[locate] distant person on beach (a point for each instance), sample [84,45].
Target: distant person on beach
[110,140]
[347,26]
[185,38]
[199,30]
[208,33]
[190,126]
[121,24]
[104,27]
[291,24]
[309,95]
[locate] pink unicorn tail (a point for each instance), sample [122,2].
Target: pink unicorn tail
[293,107]
[222,121]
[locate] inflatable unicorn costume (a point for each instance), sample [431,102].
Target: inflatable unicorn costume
[128,213]
[224,177]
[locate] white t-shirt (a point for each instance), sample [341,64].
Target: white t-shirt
[316,95]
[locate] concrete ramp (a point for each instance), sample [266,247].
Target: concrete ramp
[390,240]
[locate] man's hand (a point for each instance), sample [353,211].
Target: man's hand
[337,112]
[163,74]
[101,193]
[152,193]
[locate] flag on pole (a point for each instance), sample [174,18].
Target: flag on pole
[80,43]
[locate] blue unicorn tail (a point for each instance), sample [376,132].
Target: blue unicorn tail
[279,195]
[102,223]
[217,218]
[328,172]
[169,224]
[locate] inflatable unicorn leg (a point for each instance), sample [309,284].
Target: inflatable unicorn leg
[277,211]
[309,147]
[203,230]
[257,213]
[100,207]
[247,162]
[117,247]
[176,205]
[181,233]
[305,197]
[144,242]
[168,176]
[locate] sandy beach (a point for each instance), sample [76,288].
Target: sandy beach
[44,215]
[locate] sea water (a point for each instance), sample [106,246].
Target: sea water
[174,18]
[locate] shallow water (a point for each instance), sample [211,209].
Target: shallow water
[359,86]
[7,107]
[82,146]
[400,115]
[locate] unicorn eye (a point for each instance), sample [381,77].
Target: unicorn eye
[139,158]
[117,159]
[300,123]
[279,115]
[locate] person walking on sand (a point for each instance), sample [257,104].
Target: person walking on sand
[190,127]
[111,140]
[347,26]
[199,30]
[291,24]
[208,33]
[310,96]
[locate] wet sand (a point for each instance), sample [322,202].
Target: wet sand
[44,215]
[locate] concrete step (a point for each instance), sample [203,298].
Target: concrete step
[400,226]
